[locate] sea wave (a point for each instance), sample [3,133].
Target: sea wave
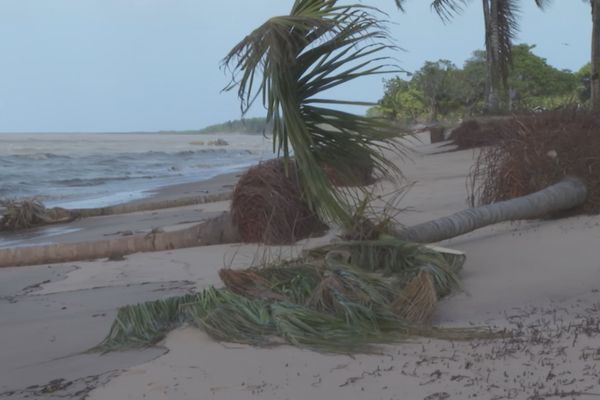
[38,156]
[100,169]
[82,182]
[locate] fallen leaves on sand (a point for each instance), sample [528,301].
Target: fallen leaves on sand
[341,297]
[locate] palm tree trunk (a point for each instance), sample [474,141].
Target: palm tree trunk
[595,82]
[491,90]
[565,195]
[218,230]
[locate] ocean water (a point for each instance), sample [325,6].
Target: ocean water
[83,170]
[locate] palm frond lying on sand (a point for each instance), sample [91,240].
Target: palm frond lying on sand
[25,214]
[341,297]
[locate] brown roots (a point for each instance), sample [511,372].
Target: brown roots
[268,205]
[479,132]
[25,214]
[536,151]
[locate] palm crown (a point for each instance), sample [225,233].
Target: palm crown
[289,63]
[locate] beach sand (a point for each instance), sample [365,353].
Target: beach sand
[537,279]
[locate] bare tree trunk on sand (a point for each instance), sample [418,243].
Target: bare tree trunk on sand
[565,195]
[219,230]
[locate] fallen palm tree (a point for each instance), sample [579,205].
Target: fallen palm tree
[537,151]
[29,213]
[341,297]
[218,230]
[568,194]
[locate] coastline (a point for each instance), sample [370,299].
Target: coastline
[143,221]
[223,183]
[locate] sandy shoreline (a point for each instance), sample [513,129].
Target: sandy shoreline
[99,228]
[537,279]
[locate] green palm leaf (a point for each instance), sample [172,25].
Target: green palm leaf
[289,63]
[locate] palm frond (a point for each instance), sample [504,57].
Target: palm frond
[342,297]
[289,63]
[447,9]
[400,4]
[543,3]
[503,29]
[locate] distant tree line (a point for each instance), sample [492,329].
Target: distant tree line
[441,90]
[248,125]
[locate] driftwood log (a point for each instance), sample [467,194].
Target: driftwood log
[218,230]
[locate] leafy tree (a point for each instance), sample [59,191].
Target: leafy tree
[501,25]
[532,79]
[471,83]
[436,81]
[584,90]
[441,88]
[402,101]
[248,125]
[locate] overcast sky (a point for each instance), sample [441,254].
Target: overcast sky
[130,65]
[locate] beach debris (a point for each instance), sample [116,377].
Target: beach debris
[268,205]
[218,142]
[341,297]
[478,132]
[358,173]
[29,213]
[539,150]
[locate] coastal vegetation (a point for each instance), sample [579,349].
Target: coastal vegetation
[246,125]
[501,21]
[442,91]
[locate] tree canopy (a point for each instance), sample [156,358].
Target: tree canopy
[440,89]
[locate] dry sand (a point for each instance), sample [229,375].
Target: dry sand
[538,279]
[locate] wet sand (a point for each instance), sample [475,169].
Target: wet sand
[111,226]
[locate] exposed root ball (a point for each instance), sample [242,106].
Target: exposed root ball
[25,214]
[536,151]
[358,174]
[478,133]
[268,206]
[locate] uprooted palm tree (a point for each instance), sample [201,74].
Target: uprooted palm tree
[289,63]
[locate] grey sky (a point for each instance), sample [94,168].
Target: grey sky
[122,65]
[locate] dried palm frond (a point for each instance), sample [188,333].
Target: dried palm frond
[536,151]
[418,299]
[326,300]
